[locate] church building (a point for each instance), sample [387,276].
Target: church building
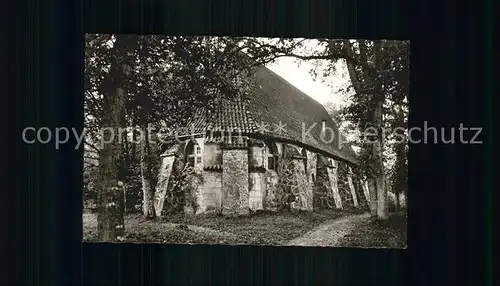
[278,147]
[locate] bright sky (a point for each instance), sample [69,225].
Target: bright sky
[300,77]
[323,92]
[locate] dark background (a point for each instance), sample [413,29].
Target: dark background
[449,185]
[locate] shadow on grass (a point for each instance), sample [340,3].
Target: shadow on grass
[263,227]
[260,228]
[373,233]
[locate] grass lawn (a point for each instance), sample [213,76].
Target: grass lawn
[379,234]
[258,229]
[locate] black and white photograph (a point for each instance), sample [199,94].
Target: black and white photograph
[245,141]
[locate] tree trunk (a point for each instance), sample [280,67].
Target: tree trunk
[125,208]
[110,222]
[372,189]
[130,200]
[378,145]
[126,166]
[376,99]
[381,197]
[110,216]
[133,151]
[399,174]
[400,182]
[147,175]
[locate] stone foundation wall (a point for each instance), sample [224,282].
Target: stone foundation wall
[212,192]
[302,189]
[235,182]
[294,179]
[271,192]
[321,186]
[256,176]
[193,193]
[256,187]
[236,179]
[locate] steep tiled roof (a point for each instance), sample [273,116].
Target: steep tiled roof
[197,124]
[235,116]
[278,109]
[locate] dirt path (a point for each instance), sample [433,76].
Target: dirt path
[329,233]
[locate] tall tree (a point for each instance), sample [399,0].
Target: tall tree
[398,89]
[367,111]
[110,192]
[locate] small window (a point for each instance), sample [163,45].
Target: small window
[312,178]
[198,150]
[198,160]
[270,163]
